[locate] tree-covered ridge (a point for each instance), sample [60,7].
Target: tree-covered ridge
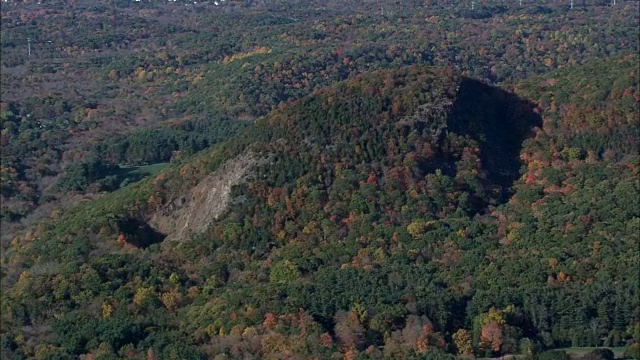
[574,217]
[151,81]
[378,228]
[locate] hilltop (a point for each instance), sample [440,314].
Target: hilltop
[149,82]
[387,215]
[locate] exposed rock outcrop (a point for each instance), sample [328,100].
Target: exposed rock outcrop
[193,212]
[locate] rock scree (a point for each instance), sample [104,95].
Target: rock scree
[192,213]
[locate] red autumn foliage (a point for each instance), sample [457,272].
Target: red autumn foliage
[326,340]
[122,239]
[491,336]
[270,321]
[373,179]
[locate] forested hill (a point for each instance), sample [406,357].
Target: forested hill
[408,213]
[150,82]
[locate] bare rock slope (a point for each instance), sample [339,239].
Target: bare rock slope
[193,212]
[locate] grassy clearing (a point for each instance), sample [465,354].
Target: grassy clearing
[574,352]
[146,169]
[125,175]
[580,351]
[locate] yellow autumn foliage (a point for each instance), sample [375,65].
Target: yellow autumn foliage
[242,55]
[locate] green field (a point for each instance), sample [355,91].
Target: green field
[129,174]
[145,170]
[580,351]
[574,352]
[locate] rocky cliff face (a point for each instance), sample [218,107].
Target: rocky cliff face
[191,213]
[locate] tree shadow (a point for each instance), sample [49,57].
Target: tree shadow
[139,234]
[499,121]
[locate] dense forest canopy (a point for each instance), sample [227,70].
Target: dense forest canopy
[329,180]
[148,82]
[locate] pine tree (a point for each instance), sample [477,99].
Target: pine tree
[604,313]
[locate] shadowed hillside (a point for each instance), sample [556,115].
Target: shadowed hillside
[499,121]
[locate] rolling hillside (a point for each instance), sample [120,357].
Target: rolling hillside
[410,213]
